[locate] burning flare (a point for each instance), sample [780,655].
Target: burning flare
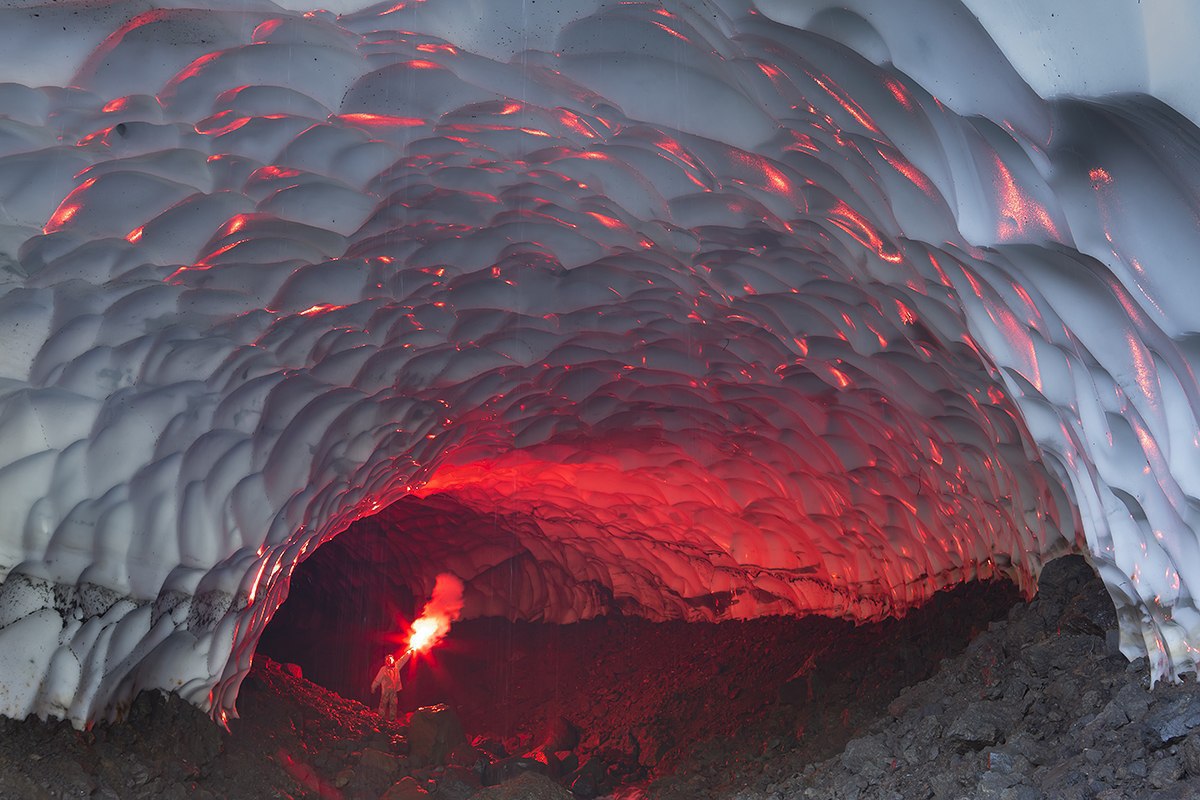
[443,608]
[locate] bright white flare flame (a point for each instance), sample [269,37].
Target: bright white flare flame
[425,633]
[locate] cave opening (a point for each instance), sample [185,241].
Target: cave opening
[645,702]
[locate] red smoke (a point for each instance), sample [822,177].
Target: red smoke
[442,609]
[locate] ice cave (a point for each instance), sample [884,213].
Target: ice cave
[692,310]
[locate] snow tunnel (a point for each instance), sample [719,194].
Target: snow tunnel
[712,310]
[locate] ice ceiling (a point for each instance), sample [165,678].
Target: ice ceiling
[711,311]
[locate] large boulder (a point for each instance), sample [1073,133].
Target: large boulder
[1172,721]
[434,733]
[1072,598]
[561,734]
[376,770]
[590,780]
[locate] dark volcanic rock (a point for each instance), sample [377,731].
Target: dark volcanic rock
[1037,707]
[1174,721]
[434,733]
[589,780]
[166,748]
[978,725]
[1189,752]
[508,768]
[869,756]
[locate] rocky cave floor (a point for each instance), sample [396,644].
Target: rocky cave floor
[975,695]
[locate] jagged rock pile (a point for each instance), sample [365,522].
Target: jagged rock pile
[294,740]
[1040,706]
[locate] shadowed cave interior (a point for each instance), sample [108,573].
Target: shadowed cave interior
[646,701]
[352,601]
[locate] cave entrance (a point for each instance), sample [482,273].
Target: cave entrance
[644,698]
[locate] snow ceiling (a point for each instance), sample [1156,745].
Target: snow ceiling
[711,310]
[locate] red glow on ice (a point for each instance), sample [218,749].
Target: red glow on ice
[194,69]
[114,40]
[770,70]
[802,142]
[673,148]
[265,29]
[208,259]
[430,47]
[221,123]
[852,108]
[855,224]
[772,178]
[976,286]
[1034,315]
[96,136]
[379,120]
[237,222]
[1018,335]
[177,276]
[273,172]
[776,179]
[914,175]
[608,222]
[68,208]
[899,92]
[120,104]
[674,33]
[938,269]
[318,309]
[1143,366]
[1020,214]
[421,63]
[574,122]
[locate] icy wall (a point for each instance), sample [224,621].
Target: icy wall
[712,311]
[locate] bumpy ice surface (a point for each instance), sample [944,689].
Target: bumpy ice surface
[704,310]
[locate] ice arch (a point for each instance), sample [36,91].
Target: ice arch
[716,311]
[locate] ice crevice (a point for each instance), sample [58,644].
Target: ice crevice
[693,310]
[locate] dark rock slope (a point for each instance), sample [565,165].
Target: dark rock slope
[976,695]
[1039,706]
